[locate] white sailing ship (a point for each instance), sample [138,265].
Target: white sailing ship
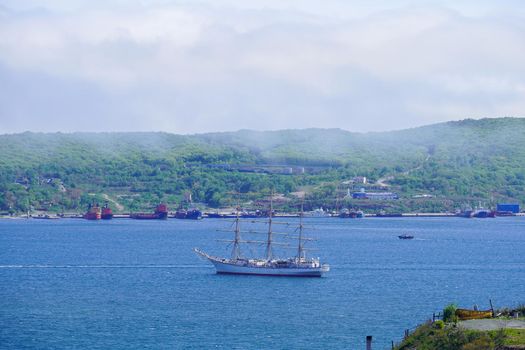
[299,266]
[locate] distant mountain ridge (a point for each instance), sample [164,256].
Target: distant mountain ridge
[329,143]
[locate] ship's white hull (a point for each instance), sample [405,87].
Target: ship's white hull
[225,268]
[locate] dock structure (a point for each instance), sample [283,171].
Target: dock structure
[429,215]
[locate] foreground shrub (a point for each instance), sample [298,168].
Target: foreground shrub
[439,324]
[449,313]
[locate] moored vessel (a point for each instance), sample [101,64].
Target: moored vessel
[194,214]
[93,212]
[190,214]
[217,215]
[180,214]
[161,213]
[107,213]
[352,214]
[484,213]
[318,213]
[478,212]
[465,213]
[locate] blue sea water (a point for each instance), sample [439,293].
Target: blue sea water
[124,284]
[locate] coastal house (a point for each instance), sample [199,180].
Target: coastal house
[359,180]
[375,195]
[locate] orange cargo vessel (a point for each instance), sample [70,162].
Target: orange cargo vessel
[107,213]
[161,213]
[93,212]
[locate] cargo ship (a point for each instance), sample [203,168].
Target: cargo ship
[484,213]
[161,213]
[250,214]
[190,214]
[352,214]
[194,214]
[180,214]
[480,213]
[107,213]
[465,213]
[93,212]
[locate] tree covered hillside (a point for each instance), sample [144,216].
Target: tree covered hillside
[453,163]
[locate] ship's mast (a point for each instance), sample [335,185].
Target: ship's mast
[300,248]
[269,239]
[236,251]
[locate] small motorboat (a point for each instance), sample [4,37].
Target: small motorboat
[405,236]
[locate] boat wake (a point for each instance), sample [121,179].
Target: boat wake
[103,266]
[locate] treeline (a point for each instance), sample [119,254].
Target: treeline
[457,161]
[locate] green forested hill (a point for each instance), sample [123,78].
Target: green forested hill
[456,162]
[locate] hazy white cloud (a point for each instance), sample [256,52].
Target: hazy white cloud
[210,66]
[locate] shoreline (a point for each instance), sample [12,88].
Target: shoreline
[230,216]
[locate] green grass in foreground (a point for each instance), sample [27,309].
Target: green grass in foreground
[433,337]
[515,336]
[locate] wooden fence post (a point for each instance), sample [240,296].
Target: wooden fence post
[368,342]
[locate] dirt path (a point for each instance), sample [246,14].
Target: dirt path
[382,181]
[119,206]
[493,324]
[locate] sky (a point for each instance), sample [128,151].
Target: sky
[222,65]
